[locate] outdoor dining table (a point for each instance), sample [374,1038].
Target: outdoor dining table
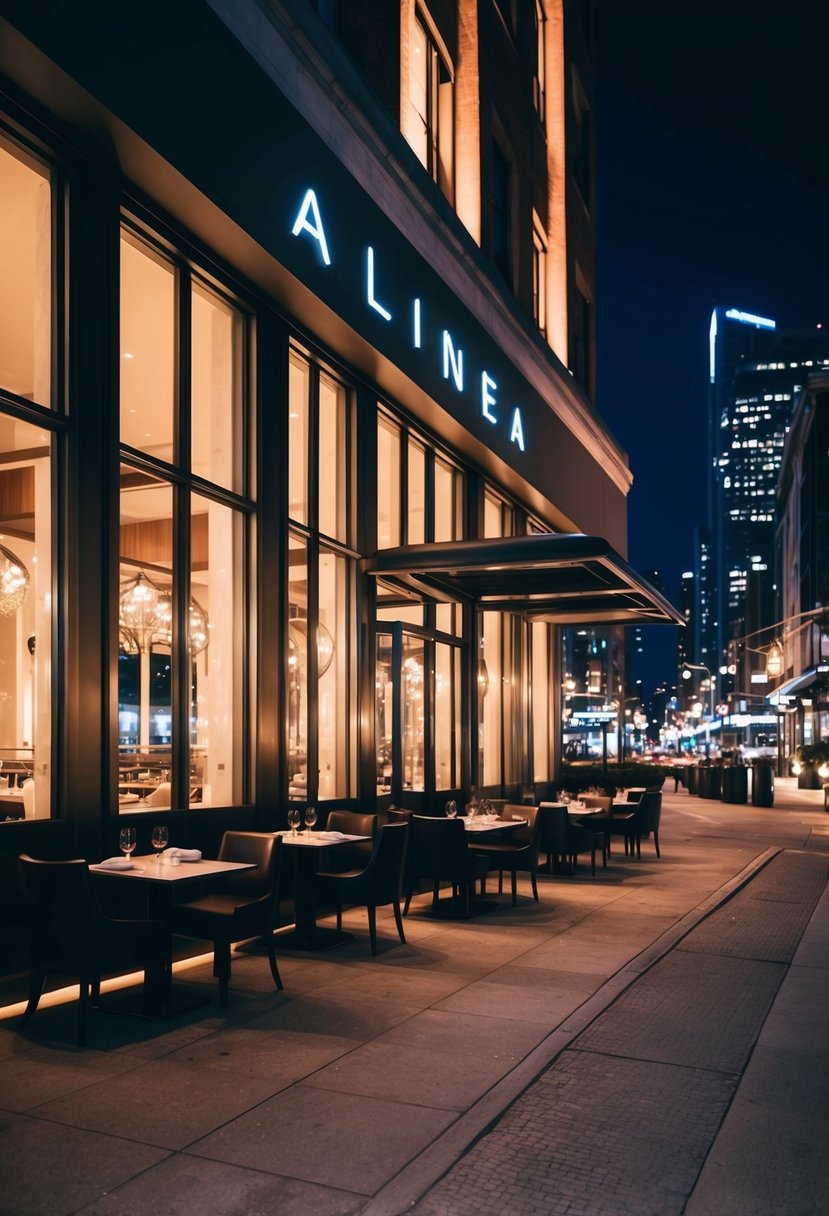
[479,823]
[162,880]
[305,848]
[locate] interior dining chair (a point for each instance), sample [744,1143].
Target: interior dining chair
[244,908]
[160,796]
[379,884]
[70,935]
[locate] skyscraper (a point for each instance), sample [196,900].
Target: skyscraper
[756,372]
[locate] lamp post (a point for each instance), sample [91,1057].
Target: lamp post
[687,669]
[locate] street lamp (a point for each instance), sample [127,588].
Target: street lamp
[687,671]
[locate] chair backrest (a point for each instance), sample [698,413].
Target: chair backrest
[28,789]
[649,811]
[393,814]
[65,919]
[528,833]
[262,848]
[353,823]
[160,795]
[554,827]
[437,847]
[603,801]
[384,872]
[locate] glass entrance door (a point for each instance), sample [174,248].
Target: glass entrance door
[418,714]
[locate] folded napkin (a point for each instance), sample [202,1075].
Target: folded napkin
[117,863]
[184,854]
[334,836]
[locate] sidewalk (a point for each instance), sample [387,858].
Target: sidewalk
[608,1044]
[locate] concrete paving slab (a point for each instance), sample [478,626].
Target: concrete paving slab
[52,1170]
[37,1075]
[333,1139]
[182,1186]
[428,1061]
[160,1103]
[514,992]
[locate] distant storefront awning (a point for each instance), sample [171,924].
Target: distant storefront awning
[813,679]
[564,579]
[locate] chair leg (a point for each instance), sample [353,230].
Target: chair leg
[221,969]
[514,884]
[37,982]
[656,843]
[398,920]
[435,893]
[83,1006]
[372,927]
[339,918]
[534,885]
[407,902]
[593,859]
[483,886]
[500,882]
[277,978]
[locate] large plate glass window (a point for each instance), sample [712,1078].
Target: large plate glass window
[321,644]
[183,588]
[27,451]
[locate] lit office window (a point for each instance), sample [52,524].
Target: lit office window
[26,259]
[431,114]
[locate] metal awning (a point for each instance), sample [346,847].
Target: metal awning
[562,578]
[806,681]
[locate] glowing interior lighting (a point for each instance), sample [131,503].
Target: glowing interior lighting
[748,318]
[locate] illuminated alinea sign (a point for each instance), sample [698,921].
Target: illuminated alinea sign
[308,225]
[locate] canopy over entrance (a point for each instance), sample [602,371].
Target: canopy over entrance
[561,578]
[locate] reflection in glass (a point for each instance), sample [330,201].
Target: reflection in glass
[541,701]
[412,677]
[384,712]
[297,681]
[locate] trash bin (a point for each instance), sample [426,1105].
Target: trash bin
[713,782]
[762,785]
[734,784]
[691,776]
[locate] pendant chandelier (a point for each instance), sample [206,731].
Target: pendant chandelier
[145,618]
[298,641]
[14,582]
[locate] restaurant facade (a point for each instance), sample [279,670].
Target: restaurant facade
[298,491]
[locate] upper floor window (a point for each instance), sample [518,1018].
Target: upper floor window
[26,258]
[583,143]
[419,494]
[431,125]
[540,65]
[502,211]
[539,275]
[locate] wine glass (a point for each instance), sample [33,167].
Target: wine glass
[159,838]
[451,809]
[126,841]
[293,819]
[310,818]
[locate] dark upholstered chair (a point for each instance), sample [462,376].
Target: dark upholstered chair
[357,854]
[518,851]
[647,822]
[629,824]
[244,907]
[563,838]
[439,852]
[379,884]
[69,934]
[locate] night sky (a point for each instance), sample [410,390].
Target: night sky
[712,141]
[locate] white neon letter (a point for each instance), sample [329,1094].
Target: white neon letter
[452,360]
[416,327]
[487,399]
[314,229]
[516,434]
[370,297]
